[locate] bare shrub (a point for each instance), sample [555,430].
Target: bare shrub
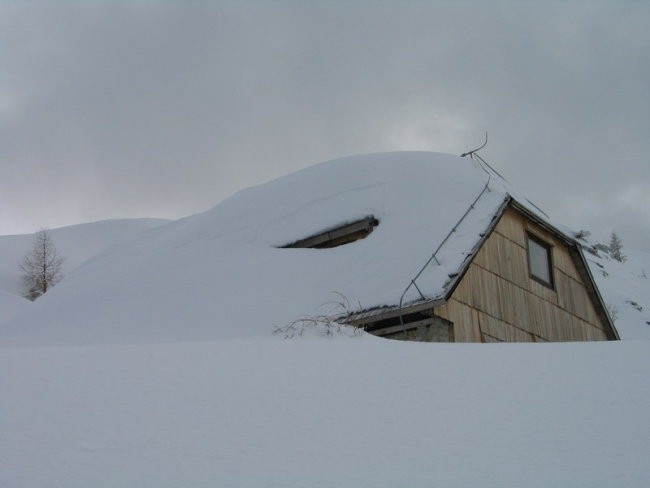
[329,323]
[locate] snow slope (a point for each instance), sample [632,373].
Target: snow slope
[625,287]
[76,243]
[11,305]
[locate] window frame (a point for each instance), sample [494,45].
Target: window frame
[337,236]
[549,260]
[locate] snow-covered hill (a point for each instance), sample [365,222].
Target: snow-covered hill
[157,364]
[76,243]
[625,287]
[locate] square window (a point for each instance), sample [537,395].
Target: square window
[540,264]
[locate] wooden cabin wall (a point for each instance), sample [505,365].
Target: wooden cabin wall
[498,301]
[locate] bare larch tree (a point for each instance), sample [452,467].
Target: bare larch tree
[41,266]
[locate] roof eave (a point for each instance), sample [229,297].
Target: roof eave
[592,290]
[381,313]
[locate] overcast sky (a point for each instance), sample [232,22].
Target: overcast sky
[163,109]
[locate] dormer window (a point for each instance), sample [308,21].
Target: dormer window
[540,264]
[338,236]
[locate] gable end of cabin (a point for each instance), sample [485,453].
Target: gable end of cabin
[525,284]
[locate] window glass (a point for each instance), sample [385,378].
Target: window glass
[539,257]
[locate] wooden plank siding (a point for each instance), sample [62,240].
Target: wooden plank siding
[498,301]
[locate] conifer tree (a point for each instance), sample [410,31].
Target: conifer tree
[616,247]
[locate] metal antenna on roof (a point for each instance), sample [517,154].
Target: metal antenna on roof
[482,162]
[470,153]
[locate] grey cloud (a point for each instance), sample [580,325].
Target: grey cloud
[161,109]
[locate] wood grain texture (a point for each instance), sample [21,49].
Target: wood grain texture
[497,300]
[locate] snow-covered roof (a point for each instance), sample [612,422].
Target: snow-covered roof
[416,197]
[206,275]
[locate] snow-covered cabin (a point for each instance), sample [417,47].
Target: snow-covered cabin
[496,269]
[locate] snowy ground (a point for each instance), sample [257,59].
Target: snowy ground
[326,412]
